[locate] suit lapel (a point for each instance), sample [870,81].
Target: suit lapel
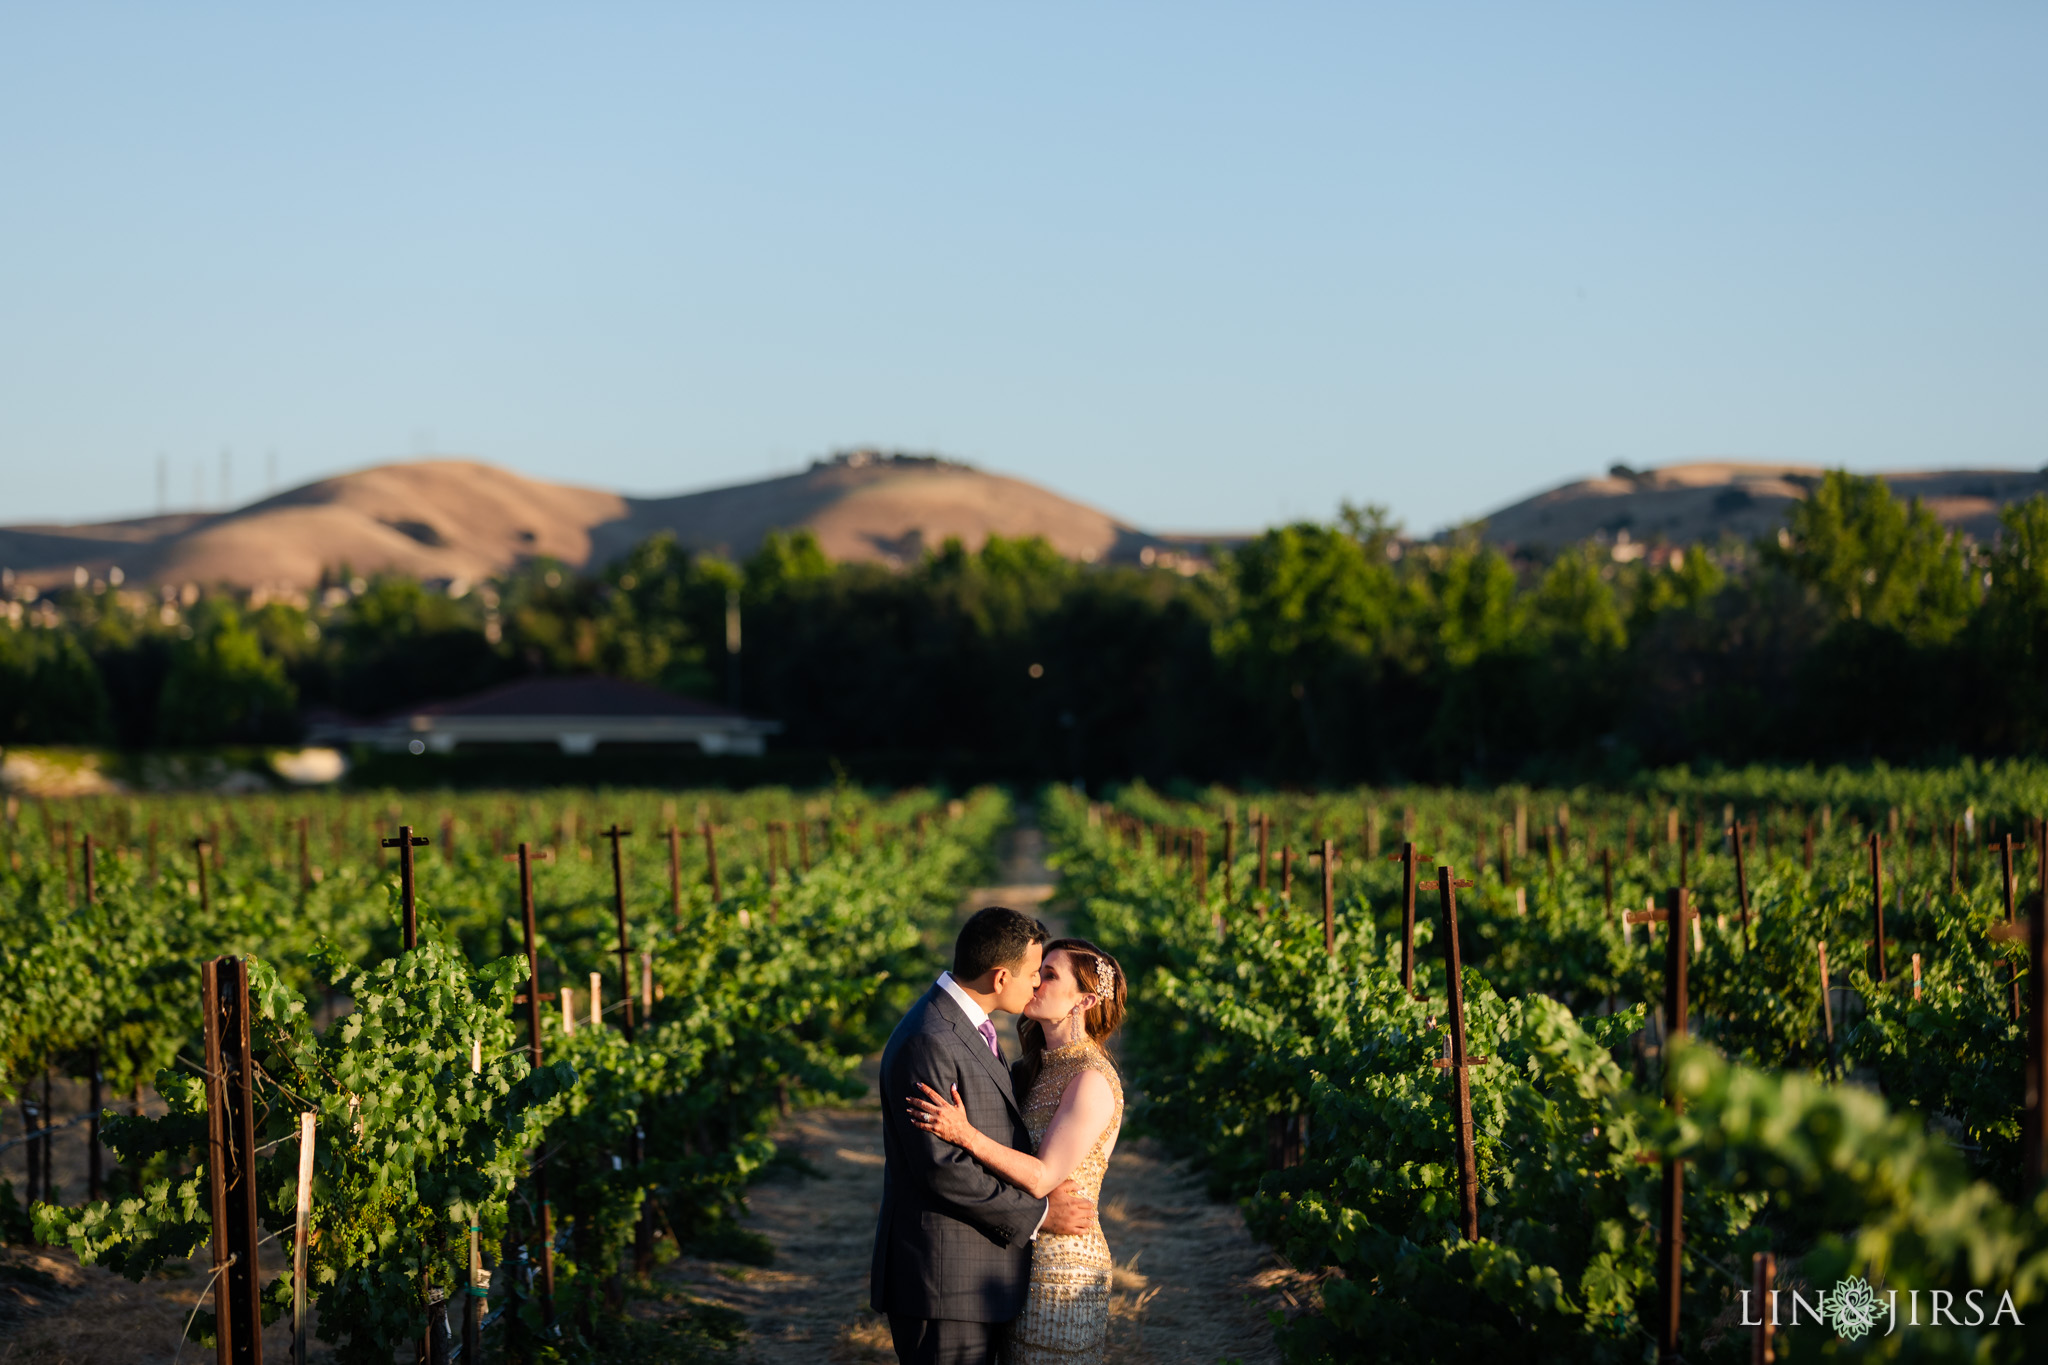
[971,1039]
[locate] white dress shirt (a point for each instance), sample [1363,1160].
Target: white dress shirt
[976,1015]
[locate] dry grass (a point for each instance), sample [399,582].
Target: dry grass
[55,1312]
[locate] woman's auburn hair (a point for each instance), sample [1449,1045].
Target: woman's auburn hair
[1103,1020]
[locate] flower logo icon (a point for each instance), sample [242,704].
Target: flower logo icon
[1854,1308]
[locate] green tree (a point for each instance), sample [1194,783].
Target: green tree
[1875,559]
[223,688]
[2013,626]
[1478,610]
[784,560]
[2016,599]
[50,693]
[1685,583]
[655,613]
[1304,597]
[1575,607]
[397,643]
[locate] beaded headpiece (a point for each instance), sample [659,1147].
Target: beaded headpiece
[1105,977]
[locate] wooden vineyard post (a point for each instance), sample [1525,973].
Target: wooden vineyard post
[1827,1007]
[405,843]
[2004,848]
[1329,856]
[643,1234]
[711,862]
[1671,1240]
[92,1138]
[93,1105]
[619,909]
[1741,878]
[302,1212]
[803,839]
[473,1304]
[1916,976]
[1446,886]
[1877,901]
[2036,1153]
[2033,930]
[1763,1279]
[1406,858]
[42,1143]
[199,847]
[1607,877]
[675,872]
[231,1163]
[1198,851]
[1229,853]
[1265,835]
[526,858]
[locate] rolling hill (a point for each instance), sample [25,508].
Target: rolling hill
[450,519]
[1686,504]
[464,519]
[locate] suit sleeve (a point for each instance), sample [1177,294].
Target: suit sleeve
[956,1182]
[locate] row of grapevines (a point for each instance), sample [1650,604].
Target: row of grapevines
[428,1110]
[1551,924]
[1243,1036]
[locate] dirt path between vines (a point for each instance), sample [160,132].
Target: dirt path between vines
[1192,1287]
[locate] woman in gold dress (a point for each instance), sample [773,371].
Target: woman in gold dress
[1074,1106]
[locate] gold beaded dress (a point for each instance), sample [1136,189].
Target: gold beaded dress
[1066,1317]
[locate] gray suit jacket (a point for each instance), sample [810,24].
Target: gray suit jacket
[953,1240]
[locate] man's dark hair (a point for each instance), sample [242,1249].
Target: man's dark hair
[991,938]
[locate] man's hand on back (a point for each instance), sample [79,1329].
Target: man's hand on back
[1069,1213]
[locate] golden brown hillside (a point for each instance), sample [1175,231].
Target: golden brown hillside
[463,519]
[1689,503]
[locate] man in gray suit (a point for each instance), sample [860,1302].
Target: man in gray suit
[953,1245]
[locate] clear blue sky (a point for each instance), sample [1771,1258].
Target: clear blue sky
[1204,267]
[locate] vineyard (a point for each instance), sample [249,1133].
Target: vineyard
[1817,1091]
[475,1061]
[1726,1068]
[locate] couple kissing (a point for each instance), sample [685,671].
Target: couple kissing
[987,1248]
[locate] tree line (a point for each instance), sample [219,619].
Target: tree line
[1316,653]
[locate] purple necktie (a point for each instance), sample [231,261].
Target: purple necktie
[988,1031]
